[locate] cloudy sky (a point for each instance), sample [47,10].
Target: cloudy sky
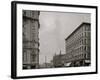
[54,28]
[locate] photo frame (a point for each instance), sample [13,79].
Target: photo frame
[50,39]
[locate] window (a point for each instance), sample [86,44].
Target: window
[85,41]
[85,34]
[25,56]
[24,13]
[33,57]
[87,28]
[82,41]
[82,34]
[85,48]
[32,14]
[88,34]
[84,55]
[81,48]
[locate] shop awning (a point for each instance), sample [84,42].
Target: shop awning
[67,64]
[87,61]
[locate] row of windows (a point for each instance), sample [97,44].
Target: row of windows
[77,57]
[82,49]
[31,14]
[78,49]
[72,40]
[30,35]
[31,22]
[28,56]
[82,29]
[80,32]
[84,41]
[28,45]
[28,13]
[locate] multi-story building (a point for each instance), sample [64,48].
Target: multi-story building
[30,39]
[78,46]
[58,60]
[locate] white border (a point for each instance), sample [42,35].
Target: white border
[36,72]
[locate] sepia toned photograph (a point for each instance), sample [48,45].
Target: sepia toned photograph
[53,39]
[56,39]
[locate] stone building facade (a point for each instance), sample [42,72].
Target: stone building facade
[78,46]
[30,39]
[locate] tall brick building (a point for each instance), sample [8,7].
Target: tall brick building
[30,39]
[78,46]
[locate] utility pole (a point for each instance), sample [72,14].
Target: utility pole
[45,61]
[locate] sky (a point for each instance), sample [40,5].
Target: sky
[54,28]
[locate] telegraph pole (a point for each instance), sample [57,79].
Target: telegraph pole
[45,61]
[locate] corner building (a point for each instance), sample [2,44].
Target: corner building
[30,39]
[78,46]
